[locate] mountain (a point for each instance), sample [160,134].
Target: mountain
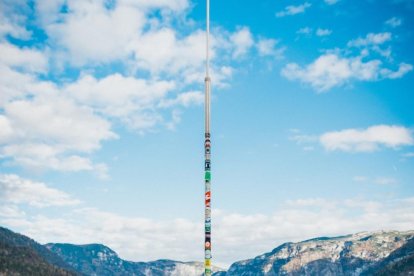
[96,259]
[92,259]
[368,253]
[20,255]
[399,263]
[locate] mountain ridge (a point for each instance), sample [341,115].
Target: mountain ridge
[354,254]
[98,259]
[364,253]
[20,255]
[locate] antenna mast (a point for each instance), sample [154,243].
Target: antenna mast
[207,152]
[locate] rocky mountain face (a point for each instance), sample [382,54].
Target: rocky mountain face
[366,253]
[20,255]
[96,259]
[400,262]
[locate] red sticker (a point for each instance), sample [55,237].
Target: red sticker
[208,244]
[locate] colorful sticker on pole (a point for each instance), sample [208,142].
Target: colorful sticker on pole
[207,165]
[208,245]
[208,254]
[207,225]
[208,262]
[208,213]
[207,146]
[207,176]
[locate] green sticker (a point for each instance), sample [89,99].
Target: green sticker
[208,176]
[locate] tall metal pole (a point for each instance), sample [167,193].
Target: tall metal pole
[207,153]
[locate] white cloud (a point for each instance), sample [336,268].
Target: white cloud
[13,84]
[331,2]
[185,99]
[371,39]
[267,47]
[27,59]
[403,69]
[137,103]
[19,68]
[304,30]
[173,5]
[373,42]
[318,32]
[173,55]
[6,129]
[323,32]
[303,138]
[242,41]
[37,134]
[13,17]
[92,33]
[17,190]
[331,70]
[184,57]
[367,140]
[35,118]
[377,180]
[360,178]
[394,22]
[337,67]
[236,236]
[47,11]
[42,156]
[60,115]
[292,10]
[218,75]
[119,96]
[385,181]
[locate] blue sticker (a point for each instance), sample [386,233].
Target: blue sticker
[207,165]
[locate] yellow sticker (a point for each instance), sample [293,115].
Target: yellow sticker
[208,262]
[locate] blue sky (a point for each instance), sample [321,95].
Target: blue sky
[101,122]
